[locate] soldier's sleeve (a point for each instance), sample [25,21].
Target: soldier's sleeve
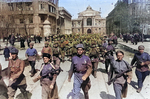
[89,70]
[133,60]
[148,60]
[71,70]
[22,65]
[54,79]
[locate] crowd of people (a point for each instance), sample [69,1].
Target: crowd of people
[134,38]
[85,52]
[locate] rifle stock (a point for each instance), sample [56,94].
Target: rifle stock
[119,75]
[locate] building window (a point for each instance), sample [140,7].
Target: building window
[31,20]
[78,23]
[21,21]
[89,22]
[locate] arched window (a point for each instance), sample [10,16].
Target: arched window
[89,22]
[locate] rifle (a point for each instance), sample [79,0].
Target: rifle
[119,75]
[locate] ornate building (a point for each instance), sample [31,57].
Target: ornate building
[89,21]
[64,21]
[38,17]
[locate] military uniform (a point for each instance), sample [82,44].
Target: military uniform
[31,54]
[15,72]
[56,53]
[94,56]
[81,67]
[120,84]
[48,78]
[141,70]
[109,49]
[47,49]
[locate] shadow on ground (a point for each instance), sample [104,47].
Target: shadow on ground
[71,96]
[104,95]
[101,70]
[21,96]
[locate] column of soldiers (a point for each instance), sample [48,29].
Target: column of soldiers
[85,54]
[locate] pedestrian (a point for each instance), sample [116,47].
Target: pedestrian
[16,77]
[108,52]
[48,78]
[28,41]
[12,39]
[35,38]
[117,67]
[142,59]
[81,67]
[31,54]
[39,38]
[6,53]
[22,40]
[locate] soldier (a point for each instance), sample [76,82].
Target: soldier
[6,53]
[31,54]
[47,78]
[108,53]
[47,49]
[56,54]
[94,56]
[117,67]
[142,60]
[16,77]
[81,67]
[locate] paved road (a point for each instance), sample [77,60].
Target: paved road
[99,88]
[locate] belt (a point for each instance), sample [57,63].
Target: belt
[81,72]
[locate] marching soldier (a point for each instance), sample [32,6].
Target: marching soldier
[117,67]
[81,67]
[94,56]
[48,75]
[47,49]
[56,54]
[16,77]
[109,52]
[142,59]
[31,54]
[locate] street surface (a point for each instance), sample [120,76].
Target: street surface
[99,88]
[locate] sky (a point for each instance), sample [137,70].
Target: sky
[76,6]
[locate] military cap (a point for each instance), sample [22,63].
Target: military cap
[141,47]
[80,46]
[13,50]
[31,44]
[46,55]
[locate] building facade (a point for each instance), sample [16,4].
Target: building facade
[64,25]
[129,16]
[89,21]
[28,17]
